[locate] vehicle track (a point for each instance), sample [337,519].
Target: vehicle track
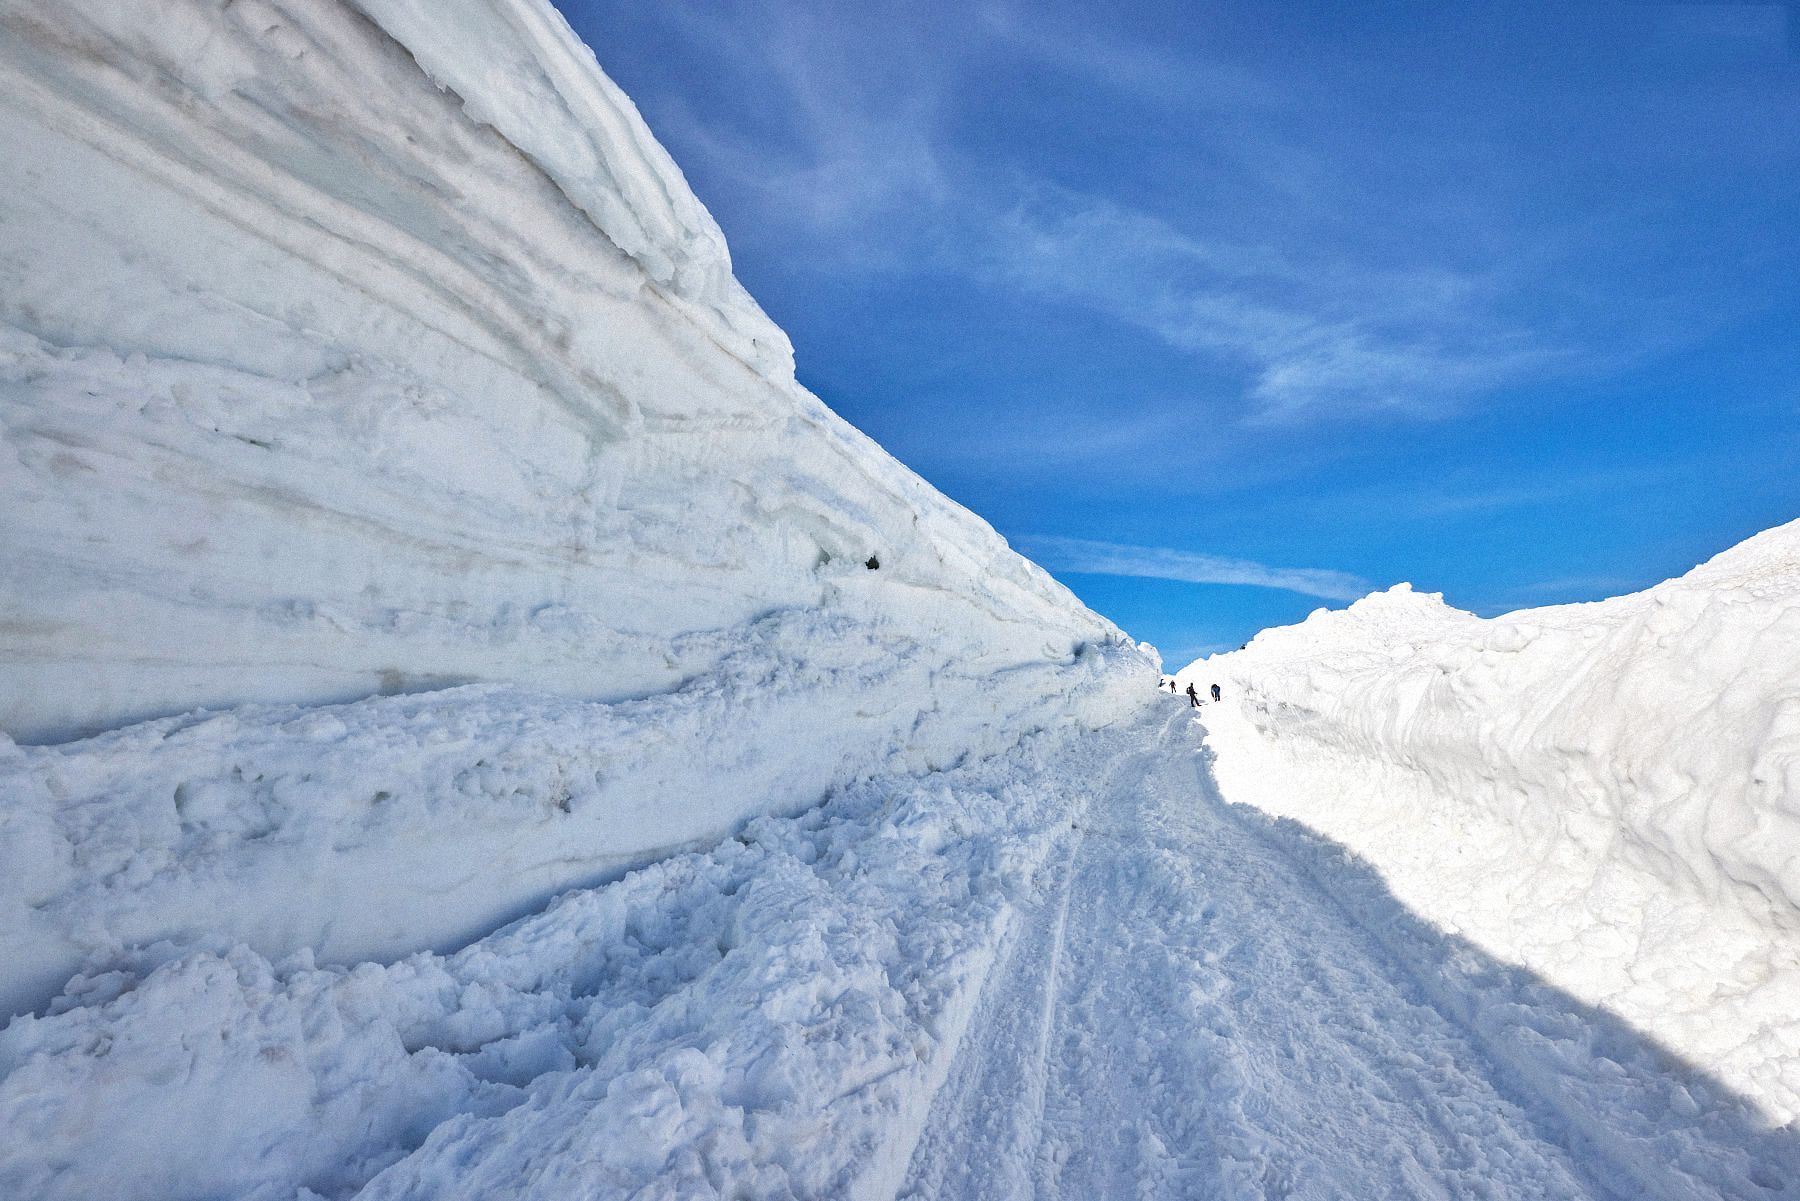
[1185,1012]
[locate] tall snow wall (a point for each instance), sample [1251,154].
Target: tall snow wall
[376,349]
[1607,793]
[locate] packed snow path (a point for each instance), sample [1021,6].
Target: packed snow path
[1208,1003]
[1067,969]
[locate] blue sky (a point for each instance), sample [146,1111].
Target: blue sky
[1223,312]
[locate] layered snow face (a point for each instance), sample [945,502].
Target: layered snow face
[376,349]
[350,348]
[375,828]
[1606,793]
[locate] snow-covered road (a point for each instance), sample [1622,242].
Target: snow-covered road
[1069,969]
[1208,1003]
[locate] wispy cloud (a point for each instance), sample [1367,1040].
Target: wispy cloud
[854,145]
[1107,445]
[1087,49]
[866,172]
[1082,556]
[1477,494]
[1316,259]
[1314,335]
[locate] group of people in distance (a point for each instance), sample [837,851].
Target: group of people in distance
[1193,697]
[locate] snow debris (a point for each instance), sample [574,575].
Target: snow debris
[380,827]
[756,1019]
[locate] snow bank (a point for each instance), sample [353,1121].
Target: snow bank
[375,828]
[1606,793]
[768,1018]
[377,348]
[346,353]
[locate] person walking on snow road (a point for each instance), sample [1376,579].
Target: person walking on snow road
[1215,692]
[1193,697]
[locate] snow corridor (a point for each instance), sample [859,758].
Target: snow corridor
[1069,971]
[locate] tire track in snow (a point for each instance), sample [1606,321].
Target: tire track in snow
[1218,1028]
[972,1147]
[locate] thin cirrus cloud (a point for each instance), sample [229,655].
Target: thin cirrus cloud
[1081,556]
[856,146]
[1084,48]
[1312,336]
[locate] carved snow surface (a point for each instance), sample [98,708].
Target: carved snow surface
[351,350]
[356,348]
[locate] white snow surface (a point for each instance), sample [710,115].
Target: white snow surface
[1606,793]
[349,348]
[377,348]
[759,1019]
[1068,970]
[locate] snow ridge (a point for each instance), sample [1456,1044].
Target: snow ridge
[538,86]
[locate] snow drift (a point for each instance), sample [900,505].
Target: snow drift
[377,348]
[1607,793]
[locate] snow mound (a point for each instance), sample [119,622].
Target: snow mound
[1607,793]
[383,432]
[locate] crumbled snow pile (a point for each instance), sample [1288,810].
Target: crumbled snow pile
[1607,794]
[766,1018]
[379,827]
[376,347]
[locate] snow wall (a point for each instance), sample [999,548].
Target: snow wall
[1607,793]
[376,350]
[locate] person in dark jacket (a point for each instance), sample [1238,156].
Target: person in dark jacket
[1215,691]
[1193,697]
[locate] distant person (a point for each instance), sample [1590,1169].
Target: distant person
[1193,697]
[1171,685]
[1215,691]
